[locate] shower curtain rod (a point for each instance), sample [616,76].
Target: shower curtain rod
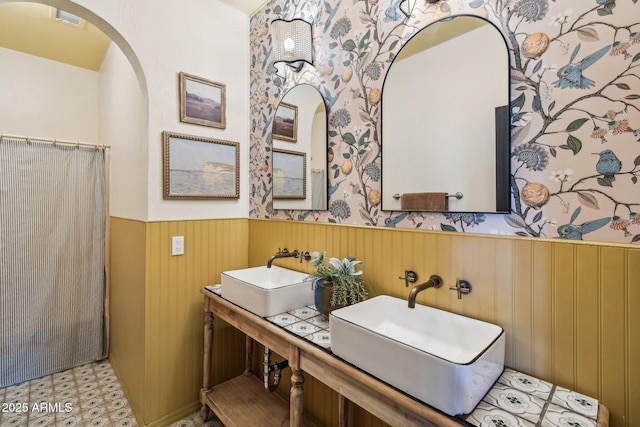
[54,141]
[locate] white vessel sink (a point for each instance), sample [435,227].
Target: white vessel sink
[267,291]
[443,359]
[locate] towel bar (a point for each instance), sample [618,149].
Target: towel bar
[457,195]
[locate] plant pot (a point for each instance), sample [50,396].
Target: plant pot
[322,297]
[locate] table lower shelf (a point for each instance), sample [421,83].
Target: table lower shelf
[243,401]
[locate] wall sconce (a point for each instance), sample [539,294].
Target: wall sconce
[406,6]
[292,43]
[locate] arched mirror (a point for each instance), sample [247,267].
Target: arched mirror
[445,120]
[299,155]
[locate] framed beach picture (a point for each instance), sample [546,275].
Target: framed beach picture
[199,168]
[202,102]
[289,174]
[285,123]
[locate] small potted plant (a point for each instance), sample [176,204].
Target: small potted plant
[336,283]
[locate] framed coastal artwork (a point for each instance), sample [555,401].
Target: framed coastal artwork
[202,101]
[285,123]
[199,168]
[289,174]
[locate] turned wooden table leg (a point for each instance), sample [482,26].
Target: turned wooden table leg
[206,364]
[343,411]
[297,392]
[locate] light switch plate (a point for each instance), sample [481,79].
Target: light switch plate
[177,245]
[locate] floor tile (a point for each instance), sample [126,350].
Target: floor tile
[89,395]
[86,396]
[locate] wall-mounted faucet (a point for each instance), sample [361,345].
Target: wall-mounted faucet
[433,282]
[284,253]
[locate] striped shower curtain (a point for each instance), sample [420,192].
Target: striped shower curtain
[52,275]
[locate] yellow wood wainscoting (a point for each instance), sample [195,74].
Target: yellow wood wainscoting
[569,309]
[157,315]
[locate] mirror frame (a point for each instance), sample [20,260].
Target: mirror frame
[502,137]
[326,149]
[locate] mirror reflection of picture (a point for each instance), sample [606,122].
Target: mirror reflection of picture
[285,123]
[289,174]
[311,139]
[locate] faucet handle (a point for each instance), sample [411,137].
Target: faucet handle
[410,276]
[462,287]
[305,256]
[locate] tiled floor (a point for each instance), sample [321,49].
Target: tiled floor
[86,396]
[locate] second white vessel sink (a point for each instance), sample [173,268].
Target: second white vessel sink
[267,291]
[443,359]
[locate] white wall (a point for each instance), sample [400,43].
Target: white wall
[206,38]
[48,99]
[124,123]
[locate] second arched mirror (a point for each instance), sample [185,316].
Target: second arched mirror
[445,120]
[299,155]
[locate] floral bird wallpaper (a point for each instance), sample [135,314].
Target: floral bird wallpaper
[575,105]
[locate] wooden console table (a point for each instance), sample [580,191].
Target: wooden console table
[243,401]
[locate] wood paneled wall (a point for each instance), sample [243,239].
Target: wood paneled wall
[126,328]
[157,315]
[569,309]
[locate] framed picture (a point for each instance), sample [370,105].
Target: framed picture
[202,102]
[199,168]
[289,174]
[285,123]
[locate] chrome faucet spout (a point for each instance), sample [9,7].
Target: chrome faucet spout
[283,254]
[433,282]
